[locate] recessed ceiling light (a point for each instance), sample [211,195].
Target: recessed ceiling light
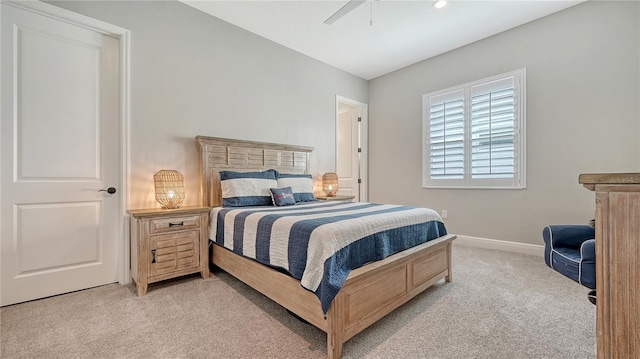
[439,4]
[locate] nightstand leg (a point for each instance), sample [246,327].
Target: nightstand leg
[205,273]
[142,289]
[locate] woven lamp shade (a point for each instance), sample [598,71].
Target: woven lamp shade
[330,184]
[169,188]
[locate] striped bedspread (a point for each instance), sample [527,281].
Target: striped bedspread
[319,243]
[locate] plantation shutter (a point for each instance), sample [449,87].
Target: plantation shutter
[474,134]
[446,136]
[493,129]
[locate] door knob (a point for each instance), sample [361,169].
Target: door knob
[110,190]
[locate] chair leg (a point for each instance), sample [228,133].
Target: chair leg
[592,296]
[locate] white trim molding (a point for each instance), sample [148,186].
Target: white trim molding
[514,247]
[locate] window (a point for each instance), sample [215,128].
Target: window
[474,134]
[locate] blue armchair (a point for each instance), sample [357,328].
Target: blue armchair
[570,250]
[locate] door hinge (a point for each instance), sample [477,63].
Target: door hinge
[359,180]
[359,150]
[359,119]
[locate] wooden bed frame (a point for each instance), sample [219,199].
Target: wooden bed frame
[370,292]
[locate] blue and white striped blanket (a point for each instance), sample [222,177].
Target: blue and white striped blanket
[319,243]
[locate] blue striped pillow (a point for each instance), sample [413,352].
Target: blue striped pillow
[240,189]
[301,184]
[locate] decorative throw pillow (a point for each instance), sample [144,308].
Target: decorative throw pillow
[240,189]
[282,196]
[301,185]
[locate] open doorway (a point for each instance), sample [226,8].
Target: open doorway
[351,148]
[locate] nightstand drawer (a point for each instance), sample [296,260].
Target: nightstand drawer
[172,224]
[173,251]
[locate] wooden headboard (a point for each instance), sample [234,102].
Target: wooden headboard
[219,154]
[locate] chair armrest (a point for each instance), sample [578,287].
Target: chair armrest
[588,250]
[568,236]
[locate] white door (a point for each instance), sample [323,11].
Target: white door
[351,149]
[59,142]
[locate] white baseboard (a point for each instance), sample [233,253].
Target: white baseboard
[515,247]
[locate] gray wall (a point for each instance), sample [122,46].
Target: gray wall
[583,75]
[193,74]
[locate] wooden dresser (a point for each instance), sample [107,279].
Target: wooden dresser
[167,243]
[617,263]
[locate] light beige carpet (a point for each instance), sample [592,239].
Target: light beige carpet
[499,305]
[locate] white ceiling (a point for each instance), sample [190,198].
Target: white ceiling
[402,32]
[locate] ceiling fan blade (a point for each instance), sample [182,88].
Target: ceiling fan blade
[352,4]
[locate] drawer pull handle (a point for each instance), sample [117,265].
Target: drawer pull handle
[153,253]
[176,224]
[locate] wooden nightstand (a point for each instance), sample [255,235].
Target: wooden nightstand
[337,198]
[167,243]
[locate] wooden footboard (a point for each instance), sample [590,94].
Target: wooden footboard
[370,292]
[375,290]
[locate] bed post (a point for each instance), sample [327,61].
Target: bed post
[335,328]
[205,174]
